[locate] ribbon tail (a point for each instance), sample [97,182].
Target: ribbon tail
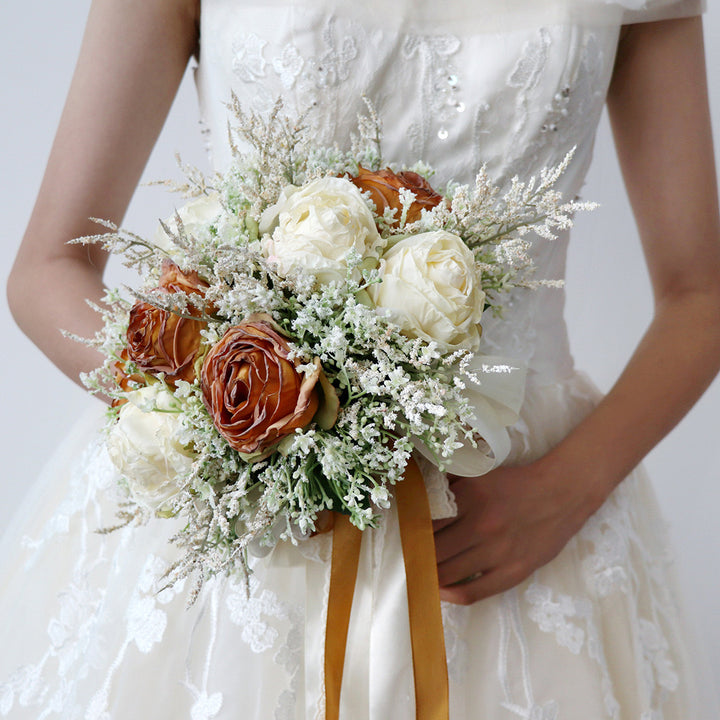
[343,574]
[423,590]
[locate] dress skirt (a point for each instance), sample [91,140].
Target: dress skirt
[89,631]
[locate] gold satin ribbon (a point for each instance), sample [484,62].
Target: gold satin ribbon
[426,630]
[343,573]
[423,590]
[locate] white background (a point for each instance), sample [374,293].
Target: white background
[608,293]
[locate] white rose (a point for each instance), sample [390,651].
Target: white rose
[147,445]
[315,227]
[196,216]
[431,289]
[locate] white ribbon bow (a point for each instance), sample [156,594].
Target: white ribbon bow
[496,401]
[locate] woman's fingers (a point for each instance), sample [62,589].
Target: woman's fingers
[488,583]
[440,524]
[454,539]
[475,525]
[510,522]
[463,498]
[460,568]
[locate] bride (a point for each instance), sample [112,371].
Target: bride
[95,166]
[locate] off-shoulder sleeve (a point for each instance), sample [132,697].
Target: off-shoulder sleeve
[650,10]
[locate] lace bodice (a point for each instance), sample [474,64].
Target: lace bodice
[513,86]
[462,83]
[455,95]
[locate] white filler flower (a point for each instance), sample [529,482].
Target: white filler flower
[147,445]
[431,290]
[316,227]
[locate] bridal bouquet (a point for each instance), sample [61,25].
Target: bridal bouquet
[310,319]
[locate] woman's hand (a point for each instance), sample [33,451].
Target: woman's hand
[510,522]
[514,520]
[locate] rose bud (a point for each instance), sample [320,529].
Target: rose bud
[159,341]
[384,187]
[127,382]
[173,279]
[253,392]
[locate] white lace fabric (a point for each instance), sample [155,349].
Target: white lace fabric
[597,628]
[595,634]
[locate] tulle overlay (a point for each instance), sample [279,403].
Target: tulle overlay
[88,629]
[597,628]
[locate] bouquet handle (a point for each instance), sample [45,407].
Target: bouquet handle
[426,629]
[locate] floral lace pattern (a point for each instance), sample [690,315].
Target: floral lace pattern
[542,107]
[514,649]
[439,85]
[556,615]
[313,78]
[90,649]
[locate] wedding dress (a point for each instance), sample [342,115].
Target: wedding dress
[595,634]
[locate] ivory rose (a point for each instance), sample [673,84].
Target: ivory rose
[159,341]
[431,290]
[384,187]
[253,393]
[196,217]
[315,227]
[148,445]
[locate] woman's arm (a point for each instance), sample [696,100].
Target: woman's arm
[132,59]
[514,520]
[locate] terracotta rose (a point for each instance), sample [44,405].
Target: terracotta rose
[159,341]
[253,393]
[384,187]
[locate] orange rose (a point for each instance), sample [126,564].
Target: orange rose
[384,187]
[159,341]
[253,392]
